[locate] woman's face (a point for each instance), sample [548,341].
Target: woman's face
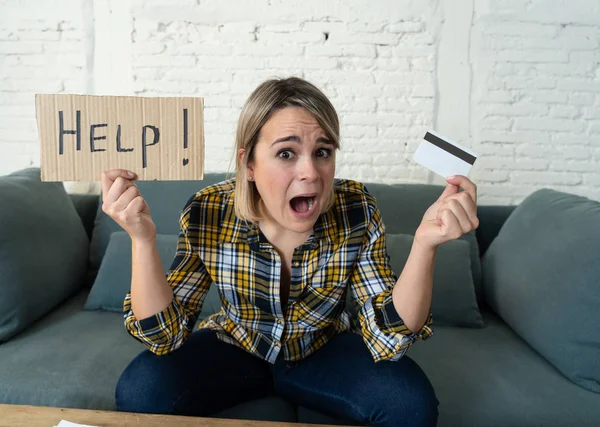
[293,168]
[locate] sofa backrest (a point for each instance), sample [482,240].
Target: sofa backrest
[405,201]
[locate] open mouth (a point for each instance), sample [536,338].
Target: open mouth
[303,204]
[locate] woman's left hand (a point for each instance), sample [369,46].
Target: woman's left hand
[452,215]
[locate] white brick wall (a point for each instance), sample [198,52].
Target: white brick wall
[518,82]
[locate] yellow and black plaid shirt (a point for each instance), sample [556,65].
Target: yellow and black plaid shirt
[345,253]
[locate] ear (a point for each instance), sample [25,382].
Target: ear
[241,158]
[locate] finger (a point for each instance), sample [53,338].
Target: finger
[461,215]
[468,205]
[117,188]
[450,225]
[138,205]
[464,183]
[125,199]
[449,190]
[108,177]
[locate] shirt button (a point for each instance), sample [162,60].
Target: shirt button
[277,343]
[280,321]
[296,264]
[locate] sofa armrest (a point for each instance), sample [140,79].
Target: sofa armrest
[491,219]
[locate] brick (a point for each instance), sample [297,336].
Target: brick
[587,85]
[548,152]
[557,125]
[548,96]
[323,26]
[286,38]
[534,137]
[281,28]
[62,47]
[496,122]
[27,124]
[288,63]
[545,177]
[533,56]
[8,34]
[70,35]
[591,112]
[359,131]
[516,109]
[493,96]
[423,92]
[564,111]
[365,26]
[348,63]
[406,27]
[37,35]
[518,164]
[62,59]
[581,98]
[359,119]
[592,179]
[366,38]
[16,135]
[19,47]
[504,151]
[595,127]
[521,29]
[585,57]
[564,138]
[151,61]
[529,83]
[422,64]
[18,85]
[568,70]
[406,51]
[575,166]
[144,48]
[491,176]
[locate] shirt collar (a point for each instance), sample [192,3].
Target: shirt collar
[234,230]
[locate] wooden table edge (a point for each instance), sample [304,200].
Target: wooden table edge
[48,416]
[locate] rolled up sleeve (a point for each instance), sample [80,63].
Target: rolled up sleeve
[167,330]
[371,284]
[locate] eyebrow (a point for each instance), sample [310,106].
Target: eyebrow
[295,138]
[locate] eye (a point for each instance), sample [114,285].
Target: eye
[323,152]
[285,154]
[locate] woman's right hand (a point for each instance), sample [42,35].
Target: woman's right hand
[123,202]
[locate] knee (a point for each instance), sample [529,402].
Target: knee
[418,407]
[411,399]
[142,386]
[421,406]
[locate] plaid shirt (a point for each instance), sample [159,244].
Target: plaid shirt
[345,254]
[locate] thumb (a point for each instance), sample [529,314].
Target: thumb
[450,189]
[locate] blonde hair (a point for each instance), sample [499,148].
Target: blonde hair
[269,97]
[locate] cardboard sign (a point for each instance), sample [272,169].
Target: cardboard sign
[157,138]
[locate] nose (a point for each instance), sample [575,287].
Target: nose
[307,170]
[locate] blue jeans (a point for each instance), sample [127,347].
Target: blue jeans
[205,376]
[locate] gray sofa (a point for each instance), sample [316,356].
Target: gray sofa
[494,374]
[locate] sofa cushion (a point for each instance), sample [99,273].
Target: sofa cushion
[73,359]
[453,301]
[402,207]
[166,199]
[114,277]
[491,377]
[541,275]
[43,249]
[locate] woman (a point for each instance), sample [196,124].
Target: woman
[284,243]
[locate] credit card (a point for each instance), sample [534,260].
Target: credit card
[444,156]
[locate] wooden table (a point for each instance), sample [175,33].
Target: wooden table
[42,416]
